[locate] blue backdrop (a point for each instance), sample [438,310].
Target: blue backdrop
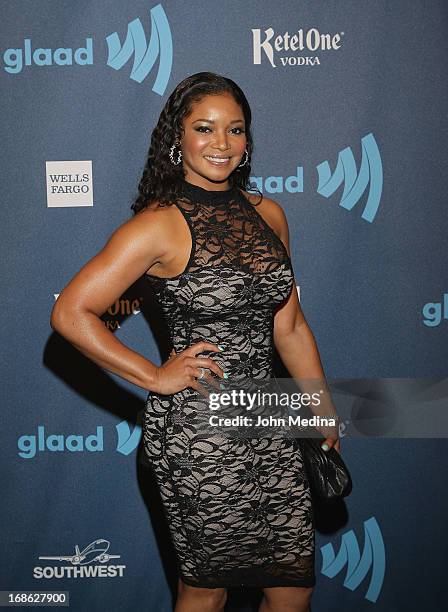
[349,98]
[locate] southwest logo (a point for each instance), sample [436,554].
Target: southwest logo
[357,566]
[91,561]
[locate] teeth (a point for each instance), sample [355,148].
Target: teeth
[221,160]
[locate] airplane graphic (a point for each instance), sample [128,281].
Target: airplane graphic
[95,551]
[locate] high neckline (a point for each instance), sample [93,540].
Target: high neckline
[208,196]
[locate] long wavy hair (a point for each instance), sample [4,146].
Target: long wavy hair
[161,179]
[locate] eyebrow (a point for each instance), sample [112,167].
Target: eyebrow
[211,121]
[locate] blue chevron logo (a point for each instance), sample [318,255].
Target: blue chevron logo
[145,55]
[373,558]
[127,441]
[355,184]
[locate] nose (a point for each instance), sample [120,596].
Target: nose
[221,141]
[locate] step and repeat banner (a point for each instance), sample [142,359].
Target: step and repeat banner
[349,103]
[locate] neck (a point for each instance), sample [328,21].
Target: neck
[212,196]
[210,186]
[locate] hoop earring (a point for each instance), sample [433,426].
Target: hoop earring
[246,160]
[179,155]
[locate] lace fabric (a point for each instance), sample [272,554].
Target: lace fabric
[239,510]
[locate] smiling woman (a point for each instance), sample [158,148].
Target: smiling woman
[203,135]
[214,137]
[239,510]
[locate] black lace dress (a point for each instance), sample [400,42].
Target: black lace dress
[239,510]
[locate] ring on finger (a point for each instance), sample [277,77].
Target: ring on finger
[201,375]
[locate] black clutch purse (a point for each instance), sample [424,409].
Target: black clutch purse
[327,473]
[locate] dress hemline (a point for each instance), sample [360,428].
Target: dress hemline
[232,584]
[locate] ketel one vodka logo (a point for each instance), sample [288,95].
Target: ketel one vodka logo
[302,48]
[95,555]
[119,310]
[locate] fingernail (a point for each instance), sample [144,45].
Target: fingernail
[225,375]
[325,447]
[221,348]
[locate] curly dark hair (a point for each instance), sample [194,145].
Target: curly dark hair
[160,180]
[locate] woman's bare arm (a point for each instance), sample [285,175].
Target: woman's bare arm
[130,251]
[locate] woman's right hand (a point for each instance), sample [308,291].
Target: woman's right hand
[182,369]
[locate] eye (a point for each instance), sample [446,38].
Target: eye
[204,127]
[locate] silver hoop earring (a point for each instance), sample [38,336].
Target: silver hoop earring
[179,156]
[246,160]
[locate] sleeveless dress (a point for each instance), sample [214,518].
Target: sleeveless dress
[239,510]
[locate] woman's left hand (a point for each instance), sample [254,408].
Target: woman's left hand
[332,442]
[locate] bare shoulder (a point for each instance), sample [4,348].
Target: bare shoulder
[136,245]
[155,214]
[143,240]
[271,211]
[153,223]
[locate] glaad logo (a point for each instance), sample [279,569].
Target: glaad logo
[96,551]
[127,441]
[63,56]
[145,56]
[370,173]
[30,445]
[311,40]
[434,312]
[276,184]
[373,557]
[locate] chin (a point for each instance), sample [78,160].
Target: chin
[218,173]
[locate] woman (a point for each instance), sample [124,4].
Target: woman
[218,260]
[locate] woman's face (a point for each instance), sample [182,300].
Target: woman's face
[214,131]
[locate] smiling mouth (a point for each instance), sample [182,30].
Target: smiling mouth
[217,160]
